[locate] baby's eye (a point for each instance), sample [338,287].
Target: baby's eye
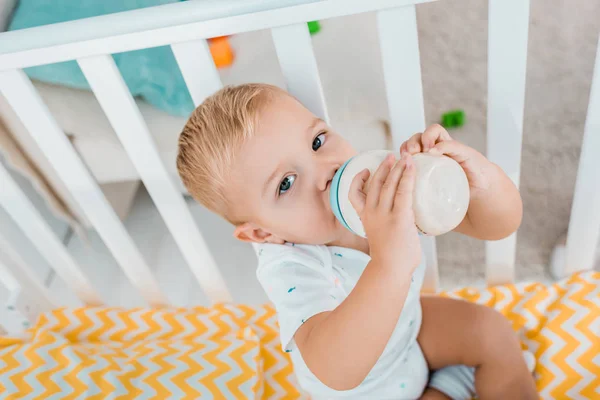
[286,184]
[318,142]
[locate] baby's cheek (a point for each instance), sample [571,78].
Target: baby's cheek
[309,221]
[325,226]
[311,228]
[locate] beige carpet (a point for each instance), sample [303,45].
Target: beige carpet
[453,42]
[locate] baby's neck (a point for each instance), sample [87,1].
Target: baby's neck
[349,240]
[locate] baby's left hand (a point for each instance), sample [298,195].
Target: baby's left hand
[435,140]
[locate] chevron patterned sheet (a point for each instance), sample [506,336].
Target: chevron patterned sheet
[233,351]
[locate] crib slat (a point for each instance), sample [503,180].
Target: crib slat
[27,296]
[18,206]
[399,42]
[28,105]
[30,296]
[299,66]
[584,227]
[198,69]
[507,64]
[120,108]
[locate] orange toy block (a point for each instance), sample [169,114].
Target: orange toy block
[221,51]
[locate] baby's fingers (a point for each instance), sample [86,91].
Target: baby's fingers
[453,149]
[403,199]
[378,180]
[412,145]
[390,187]
[432,135]
[357,194]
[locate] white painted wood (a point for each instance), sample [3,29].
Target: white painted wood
[7,279]
[431,283]
[22,294]
[507,65]
[558,258]
[13,319]
[26,216]
[20,306]
[4,327]
[500,260]
[584,226]
[120,108]
[236,260]
[29,296]
[299,67]
[108,277]
[22,96]
[168,24]
[399,42]
[198,69]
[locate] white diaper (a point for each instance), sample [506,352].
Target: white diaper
[458,381]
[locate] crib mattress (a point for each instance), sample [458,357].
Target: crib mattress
[233,351]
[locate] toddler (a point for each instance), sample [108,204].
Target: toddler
[350,311]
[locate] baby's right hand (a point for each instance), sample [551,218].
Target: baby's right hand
[386,212]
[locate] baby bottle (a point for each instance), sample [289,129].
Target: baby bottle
[440,198]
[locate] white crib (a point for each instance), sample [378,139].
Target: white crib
[185,27]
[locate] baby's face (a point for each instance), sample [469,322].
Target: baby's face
[282,176]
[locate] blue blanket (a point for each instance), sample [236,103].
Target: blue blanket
[152,74]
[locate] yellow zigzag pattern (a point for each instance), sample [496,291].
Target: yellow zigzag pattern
[90,353]
[233,352]
[555,323]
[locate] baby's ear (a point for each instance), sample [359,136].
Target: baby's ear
[248,232]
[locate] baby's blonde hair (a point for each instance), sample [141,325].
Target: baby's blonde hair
[210,139]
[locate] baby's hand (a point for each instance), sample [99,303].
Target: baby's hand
[386,212]
[436,140]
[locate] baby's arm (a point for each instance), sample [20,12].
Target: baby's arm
[458,332]
[494,211]
[341,347]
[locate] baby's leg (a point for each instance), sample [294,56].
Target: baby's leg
[457,332]
[433,394]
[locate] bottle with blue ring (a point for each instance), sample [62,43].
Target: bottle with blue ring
[440,199]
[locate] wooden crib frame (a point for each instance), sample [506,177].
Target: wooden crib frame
[185,27]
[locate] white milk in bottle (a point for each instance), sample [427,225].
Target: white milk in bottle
[441,195]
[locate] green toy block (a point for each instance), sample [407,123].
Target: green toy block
[314,27]
[453,119]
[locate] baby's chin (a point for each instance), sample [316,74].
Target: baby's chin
[318,234]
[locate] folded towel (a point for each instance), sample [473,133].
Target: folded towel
[151,73]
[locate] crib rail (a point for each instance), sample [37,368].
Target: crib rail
[168,24]
[185,27]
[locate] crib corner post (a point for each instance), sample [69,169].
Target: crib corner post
[578,250]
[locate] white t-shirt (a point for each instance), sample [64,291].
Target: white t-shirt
[305,280]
